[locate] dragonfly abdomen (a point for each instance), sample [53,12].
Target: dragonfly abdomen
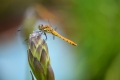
[65,39]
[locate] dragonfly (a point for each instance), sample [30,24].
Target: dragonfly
[48,29]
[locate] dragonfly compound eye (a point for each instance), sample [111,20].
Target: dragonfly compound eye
[40,26]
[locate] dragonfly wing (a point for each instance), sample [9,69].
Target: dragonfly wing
[49,22]
[55,28]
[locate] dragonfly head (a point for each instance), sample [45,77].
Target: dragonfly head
[40,27]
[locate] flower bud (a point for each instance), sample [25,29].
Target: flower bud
[38,57]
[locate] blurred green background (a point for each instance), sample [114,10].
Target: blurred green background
[94,25]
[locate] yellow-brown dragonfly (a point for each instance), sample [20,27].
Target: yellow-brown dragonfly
[48,29]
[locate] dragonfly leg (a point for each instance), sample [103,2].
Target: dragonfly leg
[53,37]
[42,32]
[39,31]
[45,36]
